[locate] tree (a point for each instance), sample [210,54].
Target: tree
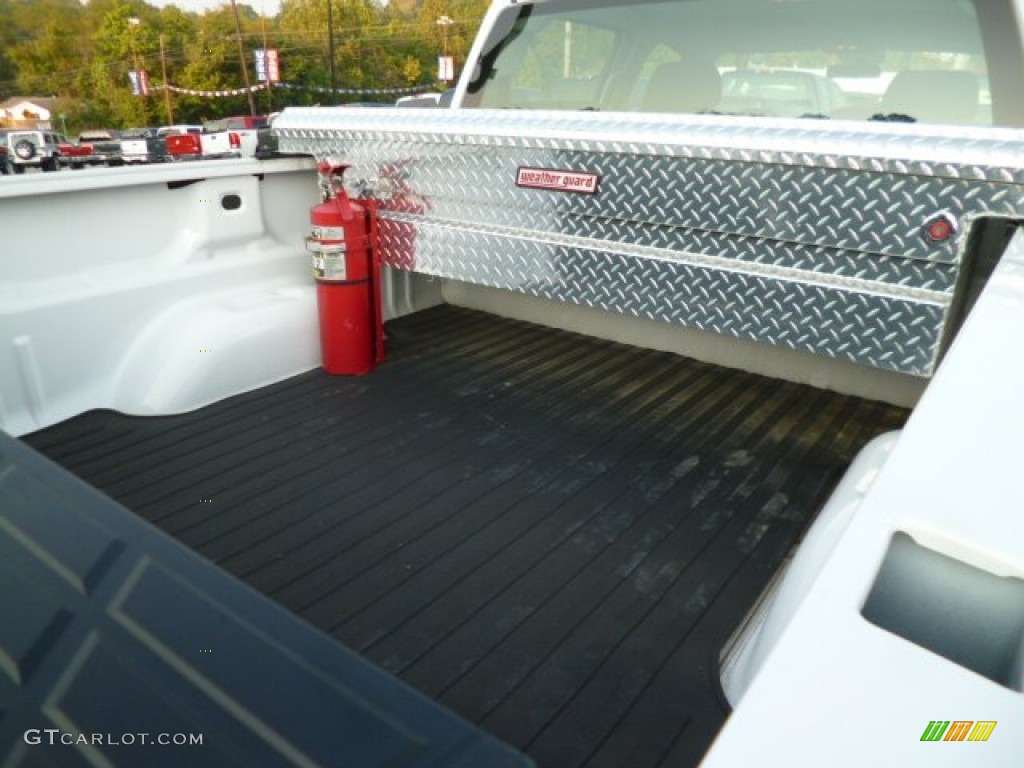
[83,52]
[456,37]
[8,38]
[126,40]
[303,26]
[177,29]
[48,56]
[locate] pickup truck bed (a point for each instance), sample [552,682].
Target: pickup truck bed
[553,535]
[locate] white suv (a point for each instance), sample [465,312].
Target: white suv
[35,149]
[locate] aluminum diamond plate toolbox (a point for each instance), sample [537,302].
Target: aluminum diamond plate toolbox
[805,234]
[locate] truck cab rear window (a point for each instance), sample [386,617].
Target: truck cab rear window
[924,61]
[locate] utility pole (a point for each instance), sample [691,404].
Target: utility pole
[443,71]
[567,52]
[133,22]
[266,62]
[241,59]
[167,89]
[330,42]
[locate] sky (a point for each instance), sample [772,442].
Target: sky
[266,7]
[269,7]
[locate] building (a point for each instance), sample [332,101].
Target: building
[27,112]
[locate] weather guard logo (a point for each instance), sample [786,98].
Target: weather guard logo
[558,181]
[958,730]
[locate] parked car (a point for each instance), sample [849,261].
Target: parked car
[442,99]
[33,149]
[227,137]
[106,146]
[238,123]
[420,100]
[266,139]
[178,130]
[76,155]
[143,145]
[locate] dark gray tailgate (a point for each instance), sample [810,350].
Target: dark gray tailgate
[115,638]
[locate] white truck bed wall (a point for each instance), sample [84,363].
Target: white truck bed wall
[144,290]
[806,235]
[905,600]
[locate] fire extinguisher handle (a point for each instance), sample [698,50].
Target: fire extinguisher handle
[325,168]
[332,186]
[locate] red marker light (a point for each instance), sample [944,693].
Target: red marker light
[940,228]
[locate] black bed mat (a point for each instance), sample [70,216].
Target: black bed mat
[551,534]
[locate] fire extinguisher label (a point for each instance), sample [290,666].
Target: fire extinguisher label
[328,233]
[329,266]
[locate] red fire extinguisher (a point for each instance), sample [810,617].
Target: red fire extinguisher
[346,266]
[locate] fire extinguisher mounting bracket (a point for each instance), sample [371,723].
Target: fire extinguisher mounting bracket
[315,246]
[327,233]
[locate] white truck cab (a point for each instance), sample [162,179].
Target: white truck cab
[917,61]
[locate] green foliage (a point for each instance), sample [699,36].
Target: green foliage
[82,53]
[412,70]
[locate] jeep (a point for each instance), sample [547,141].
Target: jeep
[35,149]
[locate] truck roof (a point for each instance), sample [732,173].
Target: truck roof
[175,130]
[238,123]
